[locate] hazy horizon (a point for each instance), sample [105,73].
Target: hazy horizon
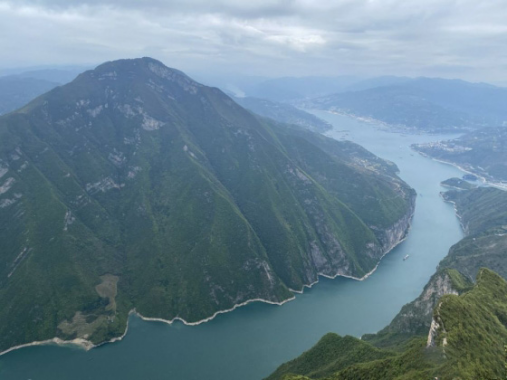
[454,40]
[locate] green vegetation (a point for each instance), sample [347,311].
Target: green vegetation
[136,187]
[454,329]
[473,329]
[466,343]
[480,209]
[414,319]
[331,354]
[483,214]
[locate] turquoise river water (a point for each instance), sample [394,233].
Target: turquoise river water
[250,342]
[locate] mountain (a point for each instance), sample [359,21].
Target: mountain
[331,354]
[428,104]
[293,89]
[482,152]
[483,216]
[414,318]
[60,76]
[290,89]
[284,113]
[454,329]
[375,82]
[16,91]
[466,341]
[135,187]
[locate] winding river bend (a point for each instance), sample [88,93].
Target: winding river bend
[250,342]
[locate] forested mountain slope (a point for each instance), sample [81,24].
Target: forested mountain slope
[454,329]
[135,187]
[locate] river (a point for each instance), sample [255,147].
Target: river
[250,342]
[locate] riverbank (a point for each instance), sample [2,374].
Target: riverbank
[411,217]
[481,177]
[87,345]
[404,129]
[393,128]
[251,342]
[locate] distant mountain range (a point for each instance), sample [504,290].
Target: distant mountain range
[135,187]
[409,104]
[54,75]
[426,104]
[16,90]
[293,89]
[290,89]
[284,113]
[421,104]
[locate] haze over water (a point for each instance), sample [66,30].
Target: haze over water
[252,341]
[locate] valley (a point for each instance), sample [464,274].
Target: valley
[454,329]
[238,190]
[278,333]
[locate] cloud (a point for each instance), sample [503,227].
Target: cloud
[454,38]
[299,43]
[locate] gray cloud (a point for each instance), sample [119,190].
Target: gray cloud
[451,38]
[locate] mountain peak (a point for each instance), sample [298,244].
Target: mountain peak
[146,69]
[132,63]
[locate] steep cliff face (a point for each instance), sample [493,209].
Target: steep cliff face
[470,330]
[435,329]
[395,234]
[483,214]
[455,328]
[387,228]
[335,262]
[422,308]
[415,318]
[465,341]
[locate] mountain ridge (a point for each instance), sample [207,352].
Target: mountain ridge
[135,187]
[422,104]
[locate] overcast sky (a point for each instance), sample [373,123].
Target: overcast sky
[447,38]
